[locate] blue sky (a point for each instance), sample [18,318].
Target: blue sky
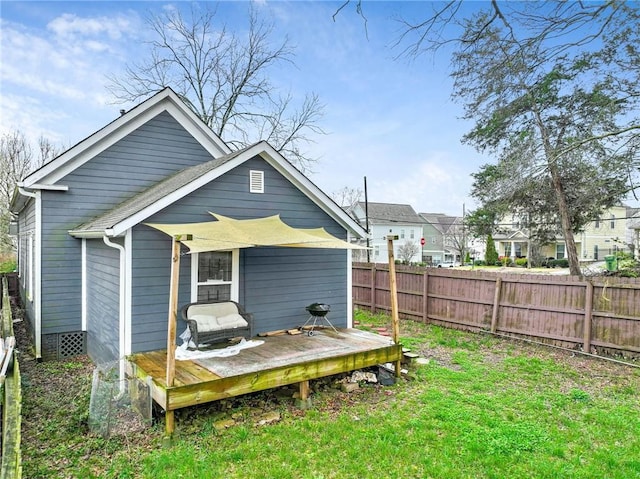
[390,120]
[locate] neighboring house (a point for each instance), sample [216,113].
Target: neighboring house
[445,239]
[391,219]
[433,233]
[597,240]
[605,236]
[513,242]
[94,277]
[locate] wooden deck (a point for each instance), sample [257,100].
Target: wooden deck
[281,360]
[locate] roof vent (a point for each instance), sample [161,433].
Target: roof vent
[256,181]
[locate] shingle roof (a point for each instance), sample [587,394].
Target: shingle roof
[384,213]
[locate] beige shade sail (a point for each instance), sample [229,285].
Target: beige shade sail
[228,233]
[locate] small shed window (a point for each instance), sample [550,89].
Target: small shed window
[256,181]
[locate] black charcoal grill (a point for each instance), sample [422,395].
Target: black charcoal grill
[318,314]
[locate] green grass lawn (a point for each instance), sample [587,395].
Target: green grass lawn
[480,408]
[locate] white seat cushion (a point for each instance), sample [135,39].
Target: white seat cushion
[231,321]
[206,322]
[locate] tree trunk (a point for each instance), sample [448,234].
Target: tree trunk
[567,231]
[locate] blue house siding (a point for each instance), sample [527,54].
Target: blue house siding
[26,228]
[280,282]
[103,302]
[149,154]
[151,272]
[275,283]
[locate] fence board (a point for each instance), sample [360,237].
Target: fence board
[10,454]
[600,315]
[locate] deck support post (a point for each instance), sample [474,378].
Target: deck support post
[394,299]
[304,390]
[169,423]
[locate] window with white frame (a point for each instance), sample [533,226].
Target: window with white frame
[411,234]
[376,251]
[216,276]
[401,234]
[613,221]
[559,250]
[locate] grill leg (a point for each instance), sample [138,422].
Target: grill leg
[316,319]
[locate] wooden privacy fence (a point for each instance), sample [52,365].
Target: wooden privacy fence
[597,315]
[10,394]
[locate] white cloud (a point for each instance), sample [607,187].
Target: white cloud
[70,59]
[70,26]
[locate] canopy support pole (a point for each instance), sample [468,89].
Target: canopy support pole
[394,298]
[172,325]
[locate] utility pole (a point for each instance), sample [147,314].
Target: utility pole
[366,219]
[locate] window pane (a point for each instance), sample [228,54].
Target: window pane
[214,265]
[214,292]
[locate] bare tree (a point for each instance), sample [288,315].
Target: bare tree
[225,78]
[17,161]
[407,251]
[48,151]
[347,197]
[456,238]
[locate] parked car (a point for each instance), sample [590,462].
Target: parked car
[449,264]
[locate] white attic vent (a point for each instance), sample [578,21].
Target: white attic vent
[256,181]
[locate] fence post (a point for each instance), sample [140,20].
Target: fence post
[588,315]
[425,297]
[496,305]
[373,288]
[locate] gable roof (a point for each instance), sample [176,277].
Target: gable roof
[385,213]
[440,221]
[165,100]
[150,201]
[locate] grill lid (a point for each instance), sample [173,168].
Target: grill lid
[319,308]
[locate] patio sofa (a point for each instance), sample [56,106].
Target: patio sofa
[216,321]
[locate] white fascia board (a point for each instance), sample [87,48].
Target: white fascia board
[314,193]
[180,193]
[39,186]
[123,126]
